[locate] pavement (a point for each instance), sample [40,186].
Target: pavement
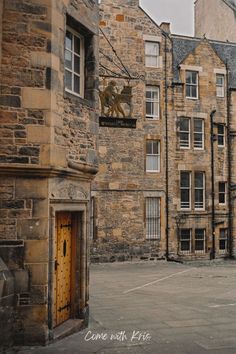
[156,308]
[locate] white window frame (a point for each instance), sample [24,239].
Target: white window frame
[225,238]
[220,87]
[153,101]
[158,155]
[222,192]
[153,218]
[82,63]
[183,207]
[148,55]
[202,133]
[221,135]
[184,144]
[192,84]
[181,239]
[199,188]
[203,240]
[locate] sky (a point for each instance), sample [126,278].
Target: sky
[180,13]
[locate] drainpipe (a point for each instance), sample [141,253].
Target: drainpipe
[229,151]
[166,152]
[212,254]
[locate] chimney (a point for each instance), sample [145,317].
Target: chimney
[166,27]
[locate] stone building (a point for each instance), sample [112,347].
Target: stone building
[48,158]
[202,149]
[132,171]
[216,19]
[153,195]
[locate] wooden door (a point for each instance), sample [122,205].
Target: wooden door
[63,261]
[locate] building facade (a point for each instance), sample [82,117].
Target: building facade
[132,171]
[48,158]
[202,149]
[164,189]
[216,19]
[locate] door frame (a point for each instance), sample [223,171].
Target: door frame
[80,233]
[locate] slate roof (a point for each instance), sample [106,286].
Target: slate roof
[183,46]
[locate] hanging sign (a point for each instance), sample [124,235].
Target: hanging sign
[116,106]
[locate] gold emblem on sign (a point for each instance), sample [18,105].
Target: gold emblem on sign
[115,103]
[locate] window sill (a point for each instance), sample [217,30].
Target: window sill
[149,119]
[153,239]
[152,171]
[192,98]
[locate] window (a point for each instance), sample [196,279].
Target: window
[184,133]
[200,240]
[185,240]
[191,84]
[153,156]
[222,193]
[74,63]
[198,133]
[153,220]
[152,50]
[185,190]
[199,190]
[221,134]
[223,240]
[152,102]
[220,85]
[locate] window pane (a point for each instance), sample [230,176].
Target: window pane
[220,140]
[77,45]
[222,187]
[68,59]
[148,94]
[198,125]
[69,40]
[152,163]
[185,180]
[152,48]
[185,240]
[152,218]
[220,129]
[68,80]
[184,124]
[199,180]
[198,143]
[155,146]
[188,91]
[199,245]
[185,194]
[194,91]
[151,61]
[77,84]
[149,147]
[188,77]
[149,108]
[77,64]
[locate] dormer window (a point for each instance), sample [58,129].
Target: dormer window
[220,85]
[191,84]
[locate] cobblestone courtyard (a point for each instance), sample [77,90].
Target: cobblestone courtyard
[157,308]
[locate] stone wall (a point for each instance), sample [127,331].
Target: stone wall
[122,183]
[215,19]
[48,153]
